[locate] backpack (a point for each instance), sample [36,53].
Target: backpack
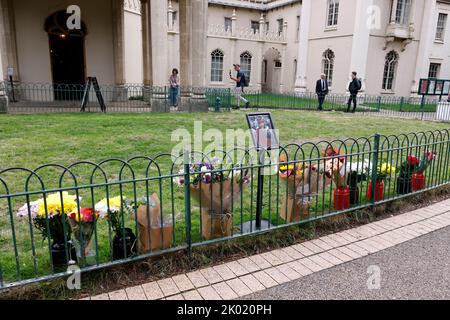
[244,80]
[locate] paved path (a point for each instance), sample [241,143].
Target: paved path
[406,248]
[417,269]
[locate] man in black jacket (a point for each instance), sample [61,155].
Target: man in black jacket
[321,90]
[353,87]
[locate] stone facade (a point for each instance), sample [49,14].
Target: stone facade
[283,45]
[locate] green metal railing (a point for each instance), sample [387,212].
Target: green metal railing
[161,204]
[35,97]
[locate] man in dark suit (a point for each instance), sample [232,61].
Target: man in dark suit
[353,87]
[321,90]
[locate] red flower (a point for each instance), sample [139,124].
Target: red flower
[412,161]
[87,214]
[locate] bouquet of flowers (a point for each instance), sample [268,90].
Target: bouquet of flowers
[114,209]
[50,217]
[385,171]
[411,176]
[83,224]
[215,187]
[409,166]
[155,229]
[51,211]
[335,166]
[428,158]
[357,172]
[303,182]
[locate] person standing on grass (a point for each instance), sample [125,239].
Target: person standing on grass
[321,90]
[353,87]
[240,84]
[174,81]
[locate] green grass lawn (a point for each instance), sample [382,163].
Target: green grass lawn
[332,102]
[33,140]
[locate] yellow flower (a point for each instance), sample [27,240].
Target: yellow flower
[387,169]
[56,205]
[114,206]
[285,167]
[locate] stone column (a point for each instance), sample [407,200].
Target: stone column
[257,78]
[160,55]
[8,50]
[8,44]
[170,16]
[146,43]
[360,43]
[303,44]
[185,16]
[193,32]
[159,28]
[262,24]
[118,34]
[427,34]
[120,92]
[233,23]
[283,58]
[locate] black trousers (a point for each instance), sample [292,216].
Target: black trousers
[321,97]
[350,100]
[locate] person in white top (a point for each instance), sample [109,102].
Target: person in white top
[174,81]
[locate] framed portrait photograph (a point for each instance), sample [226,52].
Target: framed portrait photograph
[431,86]
[439,87]
[446,88]
[423,86]
[263,130]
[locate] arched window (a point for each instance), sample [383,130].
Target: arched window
[328,65]
[390,67]
[246,65]
[217,66]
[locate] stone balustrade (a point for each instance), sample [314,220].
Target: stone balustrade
[217,30]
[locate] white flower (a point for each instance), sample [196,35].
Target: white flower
[102,209]
[358,167]
[23,211]
[204,169]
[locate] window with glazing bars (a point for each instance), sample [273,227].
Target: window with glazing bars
[217,66]
[333,13]
[390,67]
[441,24]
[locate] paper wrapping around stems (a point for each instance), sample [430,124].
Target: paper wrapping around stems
[301,188]
[152,235]
[216,200]
[82,231]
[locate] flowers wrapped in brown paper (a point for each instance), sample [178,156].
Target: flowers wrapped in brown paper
[154,233]
[335,167]
[216,200]
[303,184]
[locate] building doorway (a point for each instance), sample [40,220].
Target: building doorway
[67,55]
[272,71]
